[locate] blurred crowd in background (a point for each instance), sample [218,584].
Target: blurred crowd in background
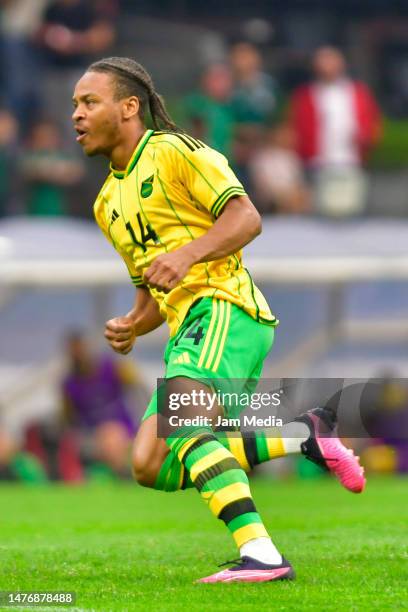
[299,124]
[310,111]
[102,399]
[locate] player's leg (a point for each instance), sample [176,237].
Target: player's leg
[154,465]
[190,355]
[222,484]
[314,433]
[149,455]
[215,348]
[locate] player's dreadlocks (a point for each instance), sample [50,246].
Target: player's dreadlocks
[133,80]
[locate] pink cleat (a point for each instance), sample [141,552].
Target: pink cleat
[251,570]
[326,449]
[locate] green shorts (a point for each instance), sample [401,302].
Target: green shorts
[217,340]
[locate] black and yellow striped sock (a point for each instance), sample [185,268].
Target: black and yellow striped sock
[249,449]
[252,448]
[221,482]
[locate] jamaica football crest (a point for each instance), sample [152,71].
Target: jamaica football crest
[147,187]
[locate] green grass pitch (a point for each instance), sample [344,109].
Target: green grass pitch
[122,547]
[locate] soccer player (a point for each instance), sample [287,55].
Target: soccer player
[178,216]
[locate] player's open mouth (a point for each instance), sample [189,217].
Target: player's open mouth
[81,134]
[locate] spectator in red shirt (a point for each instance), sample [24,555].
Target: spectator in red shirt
[337,122]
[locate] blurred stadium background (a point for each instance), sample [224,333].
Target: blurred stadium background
[332,259]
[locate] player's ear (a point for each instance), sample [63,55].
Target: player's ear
[130,107]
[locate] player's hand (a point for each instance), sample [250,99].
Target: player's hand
[120,334]
[168,270]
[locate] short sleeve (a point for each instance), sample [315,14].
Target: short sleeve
[207,176]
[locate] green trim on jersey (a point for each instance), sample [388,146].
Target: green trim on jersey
[189,141]
[222,199]
[253,294]
[137,281]
[121,174]
[188,161]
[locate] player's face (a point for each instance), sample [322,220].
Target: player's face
[97,115]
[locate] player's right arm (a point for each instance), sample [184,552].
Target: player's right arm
[121,332]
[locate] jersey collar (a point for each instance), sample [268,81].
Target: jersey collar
[120,174]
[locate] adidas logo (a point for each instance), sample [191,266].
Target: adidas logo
[115,215]
[183,358]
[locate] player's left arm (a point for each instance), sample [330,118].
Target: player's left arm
[237,225]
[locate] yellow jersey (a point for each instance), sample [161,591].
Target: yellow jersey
[171,192]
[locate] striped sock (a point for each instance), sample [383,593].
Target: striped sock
[249,449]
[221,482]
[255,447]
